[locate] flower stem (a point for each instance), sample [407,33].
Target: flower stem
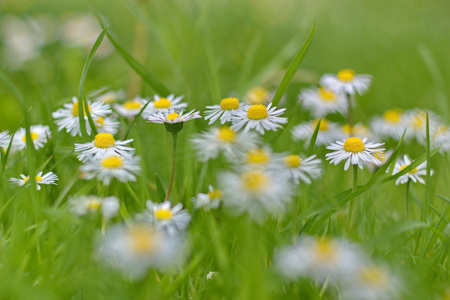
[349,113]
[174,159]
[407,200]
[350,207]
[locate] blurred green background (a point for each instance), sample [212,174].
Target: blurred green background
[208,49]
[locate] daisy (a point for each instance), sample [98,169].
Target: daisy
[391,125]
[83,205]
[415,174]
[39,135]
[165,105]
[211,143]
[417,124]
[102,146]
[319,258]
[441,138]
[172,117]
[67,117]
[105,96]
[123,168]
[301,170]
[346,81]
[48,178]
[358,130]
[131,108]
[165,217]
[211,200]
[355,151]
[258,95]
[107,125]
[262,158]
[137,248]
[258,117]
[5,138]
[321,102]
[256,192]
[328,132]
[224,110]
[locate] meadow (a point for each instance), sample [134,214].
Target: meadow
[190,209]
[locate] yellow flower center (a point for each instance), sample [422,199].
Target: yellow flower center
[254,181]
[323,125]
[215,194]
[410,172]
[143,240]
[227,135]
[346,75]
[393,115]
[292,161]
[104,140]
[162,103]
[441,130]
[354,144]
[419,120]
[325,249]
[327,95]
[229,103]
[112,162]
[100,122]
[75,109]
[37,178]
[374,276]
[257,112]
[172,116]
[347,129]
[34,136]
[163,214]
[258,95]
[93,203]
[257,156]
[133,105]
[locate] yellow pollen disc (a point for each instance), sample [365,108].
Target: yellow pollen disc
[133,105]
[172,116]
[37,178]
[441,130]
[393,115]
[104,140]
[346,75]
[229,103]
[292,161]
[162,103]
[258,95]
[163,214]
[93,203]
[215,194]
[374,276]
[410,172]
[347,129]
[101,122]
[323,125]
[112,162]
[34,136]
[327,95]
[227,135]
[254,181]
[75,109]
[354,144]
[325,249]
[419,120]
[257,156]
[257,112]
[143,240]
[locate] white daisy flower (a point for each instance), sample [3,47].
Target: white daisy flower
[321,102]
[258,95]
[258,117]
[105,96]
[355,151]
[211,143]
[263,158]
[39,134]
[67,117]
[48,178]
[165,217]
[319,258]
[417,124]
[5,138]
[414,175]
[102,146]
[328,132]
[382,156]
[83,205]
[224,110]
[172,117]
[440,137]
[107,125]
[208,201]
[137,248]
[390,125]
[301,169]
[358,130]
[123,168]
[346,81]
[131,108]
[256,192]
[165,105]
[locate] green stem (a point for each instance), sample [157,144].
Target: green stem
[174,159]
[351,204]
[407,200]
[349,113]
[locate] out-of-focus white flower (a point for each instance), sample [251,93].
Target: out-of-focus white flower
[39,135]
[258,117]
[258,95]
[321,102]
[417,124]
[107,125]
[346,81]
[48,178]
[165,105]
[301,169]
[440,137]
[211,200]
[173,220]
[391,125]
[130,108]
[5,138]
[415,174]
[105,169]
[359,130]
[102,146]
[224,110]
[106,96]
[83,205]
[328,132]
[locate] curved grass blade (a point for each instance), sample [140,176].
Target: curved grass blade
[293,67]
[314,138]
[135,119]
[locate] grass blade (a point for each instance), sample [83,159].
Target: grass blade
[313,138]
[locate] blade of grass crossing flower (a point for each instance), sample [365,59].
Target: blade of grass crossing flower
[83,106]
[293,67]
[312,142]
[135,119]
[428,175]
[289,123]
[396,153]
